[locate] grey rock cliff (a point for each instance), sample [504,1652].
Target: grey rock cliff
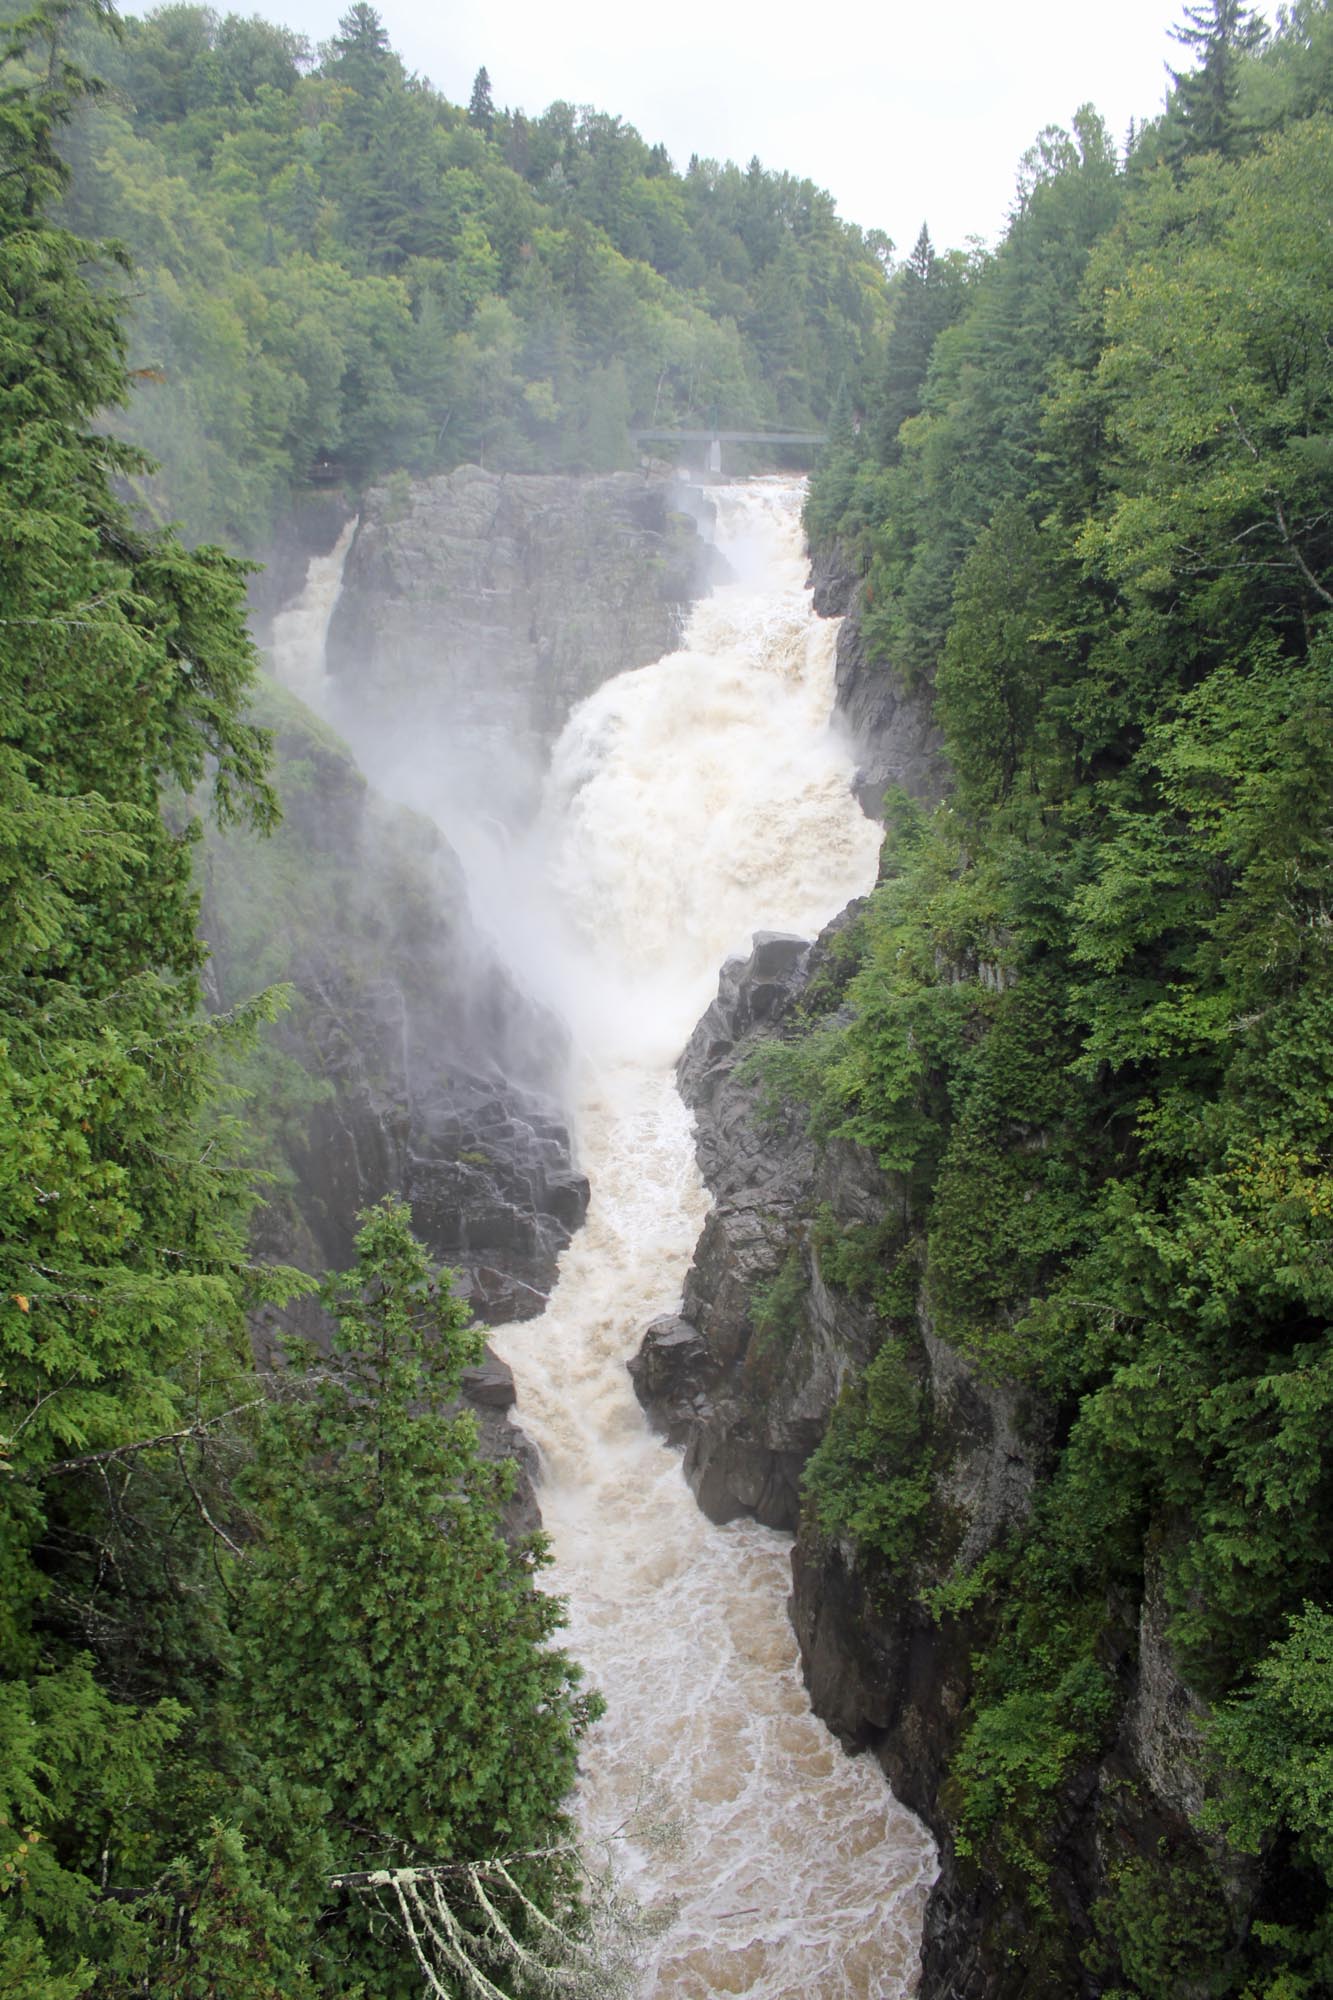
[479,608]
[413,1062]
[892,724]
[746,1387]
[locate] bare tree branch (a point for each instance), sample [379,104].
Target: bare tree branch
[1271,493]
[119,1451]
[198,1499]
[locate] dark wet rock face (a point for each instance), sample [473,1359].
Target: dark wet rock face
[415,1065]
[892,724]
[489,1393]
[423,1070]
[747,1393]
[309,528]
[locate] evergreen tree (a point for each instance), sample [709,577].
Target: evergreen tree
[481,105]
[927,298]
[124,674]
[396,1653]
[362,58]
[842,424]
[1218,34]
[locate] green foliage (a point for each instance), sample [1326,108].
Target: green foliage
[123,1266]
[870,1478]
[869,1259]
[1165,1928]
[340,272]
[777,1314]
[1016,1756]
[1087,1031]
[1004,649]
[1274,1743]
[394,1652]
[917,502]
[1204,116]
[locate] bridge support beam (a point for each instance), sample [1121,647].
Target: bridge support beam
[715,455]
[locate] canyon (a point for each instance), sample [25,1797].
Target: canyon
[481,1066]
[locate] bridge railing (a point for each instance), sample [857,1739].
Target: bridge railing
[729,437]
[715,439]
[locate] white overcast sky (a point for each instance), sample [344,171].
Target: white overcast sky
[904,113]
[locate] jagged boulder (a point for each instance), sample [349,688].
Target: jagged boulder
[747,1393]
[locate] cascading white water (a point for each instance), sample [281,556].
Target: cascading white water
[301,629]
[690,803]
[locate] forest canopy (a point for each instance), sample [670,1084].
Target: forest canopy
[1090,499]
[339,273]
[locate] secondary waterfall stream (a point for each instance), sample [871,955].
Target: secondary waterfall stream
[690,803]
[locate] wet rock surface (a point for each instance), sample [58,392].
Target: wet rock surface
[893,725]
[480,607]
[489,1393]
[427,1072]
[749,1401]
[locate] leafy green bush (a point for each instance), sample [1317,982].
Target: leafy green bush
[870,1478]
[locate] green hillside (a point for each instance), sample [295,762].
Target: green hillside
[1091,501]
[339,273]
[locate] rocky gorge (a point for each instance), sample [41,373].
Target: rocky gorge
[437,1074]
[409,1057]
[412,1057]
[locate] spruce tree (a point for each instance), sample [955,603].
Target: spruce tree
[481,105]
[1218,33]
[125,668]
[927,298]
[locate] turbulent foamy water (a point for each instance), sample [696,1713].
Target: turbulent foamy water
[300,630]
[690,803]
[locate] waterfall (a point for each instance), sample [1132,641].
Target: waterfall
[690,803]
[301,629]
